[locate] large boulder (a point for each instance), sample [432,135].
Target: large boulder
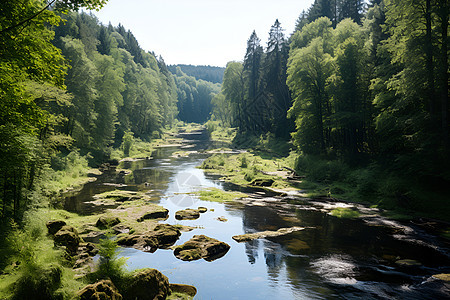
[162,236]
[201,246]
[148,284]
[107,221]
[187,214]
[68,236]
[100,290]
[54,226]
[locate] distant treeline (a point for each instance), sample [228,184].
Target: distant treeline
[207,73]
[194,97]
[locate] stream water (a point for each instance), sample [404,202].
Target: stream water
[337,259]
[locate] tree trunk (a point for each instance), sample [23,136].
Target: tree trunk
[443,12]
[429,59]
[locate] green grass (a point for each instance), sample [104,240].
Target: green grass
[217,195]
[33,265]
[243,168]
[345,213]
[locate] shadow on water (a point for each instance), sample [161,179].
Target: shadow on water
[337,259]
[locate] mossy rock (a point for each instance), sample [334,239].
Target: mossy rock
[148,284]
[187,214]
[157,214]
[262,182]
[162,236]
[118,195]
[166,234]
[201,246]
[107,221]
[68,236]
[103,289]
[264,234]
[183,289]
[202,209]
[408,262]
[54,226]
[443,277]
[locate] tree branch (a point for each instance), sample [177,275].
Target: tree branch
[27,19]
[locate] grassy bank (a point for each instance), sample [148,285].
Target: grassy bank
[401,195]
[31,267]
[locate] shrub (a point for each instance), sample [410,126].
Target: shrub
[127,142]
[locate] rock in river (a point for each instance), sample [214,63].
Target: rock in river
[187,214]
[263,234]
[183,289]
[201,246]
[148,284]
[202,209]
[162,236]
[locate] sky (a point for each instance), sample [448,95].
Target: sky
[201,32]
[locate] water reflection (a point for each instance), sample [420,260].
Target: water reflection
[337,259]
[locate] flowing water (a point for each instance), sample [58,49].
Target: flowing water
[337,259]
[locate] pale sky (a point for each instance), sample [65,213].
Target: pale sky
[201,32]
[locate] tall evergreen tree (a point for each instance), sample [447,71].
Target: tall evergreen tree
[274,79]
[252,70]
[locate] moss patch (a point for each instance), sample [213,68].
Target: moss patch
[218,195]
[345,213]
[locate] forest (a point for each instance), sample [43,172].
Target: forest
[354,102]
[358,89]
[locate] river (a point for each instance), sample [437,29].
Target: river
[336,259]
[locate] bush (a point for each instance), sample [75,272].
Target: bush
[111,267]
[243,162]
[127,142]
[38,271]
[319,169]
[249,176]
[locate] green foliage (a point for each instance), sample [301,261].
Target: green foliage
[110,265]
[345,213]
[206,73]
[218,195]
[320,169]
[34,267]
[194,97]
[244,162]
[127,143]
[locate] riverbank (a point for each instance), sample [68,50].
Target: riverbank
[42,265]
[319,177]
[265,226]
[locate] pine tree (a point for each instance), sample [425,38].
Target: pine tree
[252,71]
[274,79]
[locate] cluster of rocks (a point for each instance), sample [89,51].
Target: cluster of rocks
[162,236]
[145,284]
[81,252]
